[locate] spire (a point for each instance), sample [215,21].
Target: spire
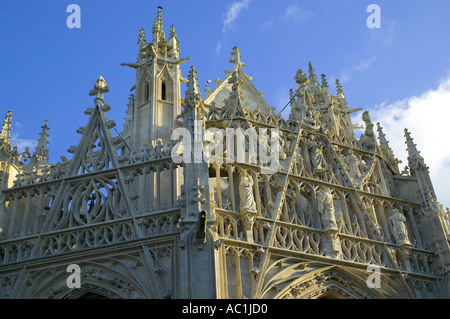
[5,134]
[383,142]
[312,76]
[386,149]
[324,81]
[141,36]
[158,30]
[173,32]
[192,96]
[324,85]
[193,109]
[339,90]
[192,85]
[173,43]
[415,160]
[41,152]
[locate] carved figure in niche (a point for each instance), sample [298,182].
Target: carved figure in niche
[225,192]
[398,227]
[309,121]
[248,204]
[352,164]
[301,78]
[326,208]
[367,140]
[316,157]
[433,205]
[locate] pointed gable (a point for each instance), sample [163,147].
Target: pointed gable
[95,151]
[224,88]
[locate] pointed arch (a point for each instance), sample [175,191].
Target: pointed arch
[336,282]
[118,282]
[165,84]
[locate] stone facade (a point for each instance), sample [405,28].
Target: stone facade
[141,224]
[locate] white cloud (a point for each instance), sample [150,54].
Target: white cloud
[21,143]
[232,13]
[218,47]
[296,14]
[362,66]
[426,118]
[383,36]
[291,14]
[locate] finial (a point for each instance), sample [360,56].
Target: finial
[6,128]
[173,31]
[386,149]
[192,85]
[236,59]
[411,147]
[415,160]
[99,88]
[158,32]
[312,75]
[141,35]
[339,88]
[324,81]
[192,97]
[41,151]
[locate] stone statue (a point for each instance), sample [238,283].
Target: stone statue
[248,204]
[309,121]
[326,208]
[367,140]
[301,78]
[317,159]
[398,227]
[352,162]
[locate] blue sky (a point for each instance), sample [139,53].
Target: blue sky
[399,72]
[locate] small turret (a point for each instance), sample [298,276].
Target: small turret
[41,153]
[312,77]
[415,160]
[419,170]
[324,84]
[158,29]
[5,134]
[387,152]
[340,92]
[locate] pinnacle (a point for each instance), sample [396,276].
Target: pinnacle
[99,88]
[339,87]
[141,35]
[312,75]
[236,59]
[6,129]
[192,85]
[324,80]
[173,31]
[41,149]
[411,146]
[158,29]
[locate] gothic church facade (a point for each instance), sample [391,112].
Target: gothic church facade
[141,223]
